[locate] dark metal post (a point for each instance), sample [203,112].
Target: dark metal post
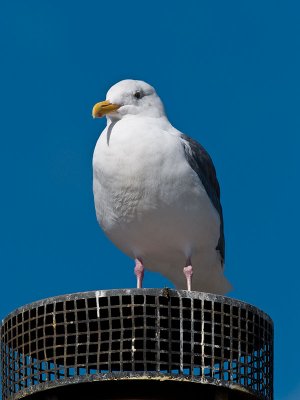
[137,344]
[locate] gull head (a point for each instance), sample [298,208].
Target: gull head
[129,97]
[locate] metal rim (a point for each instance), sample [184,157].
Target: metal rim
[130,377]
[151,291]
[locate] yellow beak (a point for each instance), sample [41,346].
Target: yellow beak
[103,108]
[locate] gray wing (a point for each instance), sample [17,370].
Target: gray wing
[202,164]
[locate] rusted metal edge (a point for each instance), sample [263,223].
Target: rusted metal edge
[131,376]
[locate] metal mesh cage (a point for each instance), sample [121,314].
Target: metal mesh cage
[102,335]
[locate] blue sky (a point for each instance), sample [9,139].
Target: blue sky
[228,73]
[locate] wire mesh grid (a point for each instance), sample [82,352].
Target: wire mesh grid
[94,335]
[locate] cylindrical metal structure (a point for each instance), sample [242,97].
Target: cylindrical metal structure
[117,343]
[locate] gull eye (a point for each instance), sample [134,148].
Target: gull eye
[138,94]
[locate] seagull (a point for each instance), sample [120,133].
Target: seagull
[156,193]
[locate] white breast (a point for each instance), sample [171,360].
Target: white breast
[148,200]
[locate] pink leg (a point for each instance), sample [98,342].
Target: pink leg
[188,272]
[139,272]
